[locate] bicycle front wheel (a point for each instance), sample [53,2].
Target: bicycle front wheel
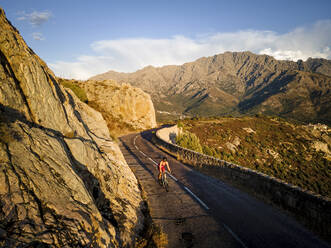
[165,182]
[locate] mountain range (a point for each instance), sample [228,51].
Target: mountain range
[236,83]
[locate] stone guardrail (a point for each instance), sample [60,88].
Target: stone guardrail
[310,208]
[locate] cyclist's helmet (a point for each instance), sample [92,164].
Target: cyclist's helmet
[164,159]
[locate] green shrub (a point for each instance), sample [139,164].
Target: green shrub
[210,151]
[180,124]
[79,92]
[190,141]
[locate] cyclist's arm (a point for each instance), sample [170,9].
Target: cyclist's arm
[168,167]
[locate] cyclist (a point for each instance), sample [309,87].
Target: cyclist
[162,167]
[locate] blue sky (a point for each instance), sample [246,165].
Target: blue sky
[79,39]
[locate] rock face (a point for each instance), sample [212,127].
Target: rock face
[63,181]
[124,107]
[237,82]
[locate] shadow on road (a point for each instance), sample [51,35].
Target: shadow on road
[182,219]
[141,163]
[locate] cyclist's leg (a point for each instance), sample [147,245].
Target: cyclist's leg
[163,178]
[160,178]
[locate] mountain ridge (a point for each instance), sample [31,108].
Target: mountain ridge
[224,83]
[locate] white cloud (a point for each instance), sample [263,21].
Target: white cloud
[302,43]
[38,36]
[132,54]
[35,18]
[83,68]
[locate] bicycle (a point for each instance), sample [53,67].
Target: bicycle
[164,181]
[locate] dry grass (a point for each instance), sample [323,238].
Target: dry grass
[156,238]
[115,126]
[160,238]
[69,134]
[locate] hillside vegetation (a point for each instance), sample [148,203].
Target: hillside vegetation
[73,85]
[297,154]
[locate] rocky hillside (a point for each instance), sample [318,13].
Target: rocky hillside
[125,108]
[63,181]
[296,154]
[237,83]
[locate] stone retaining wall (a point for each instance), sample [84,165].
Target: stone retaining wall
[314,210]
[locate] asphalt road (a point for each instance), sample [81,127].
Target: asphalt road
[208,211]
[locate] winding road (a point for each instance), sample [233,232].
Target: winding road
[200,211]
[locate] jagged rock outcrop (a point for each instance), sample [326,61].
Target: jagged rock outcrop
[63,181]
[125,108]
[237,82]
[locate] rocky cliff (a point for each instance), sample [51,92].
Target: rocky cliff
[237,82]
[125,108]
[63,181]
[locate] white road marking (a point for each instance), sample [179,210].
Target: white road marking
[197,198]
[192,194]
[173,177]
[143,154]
[234,235]
[152,160]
